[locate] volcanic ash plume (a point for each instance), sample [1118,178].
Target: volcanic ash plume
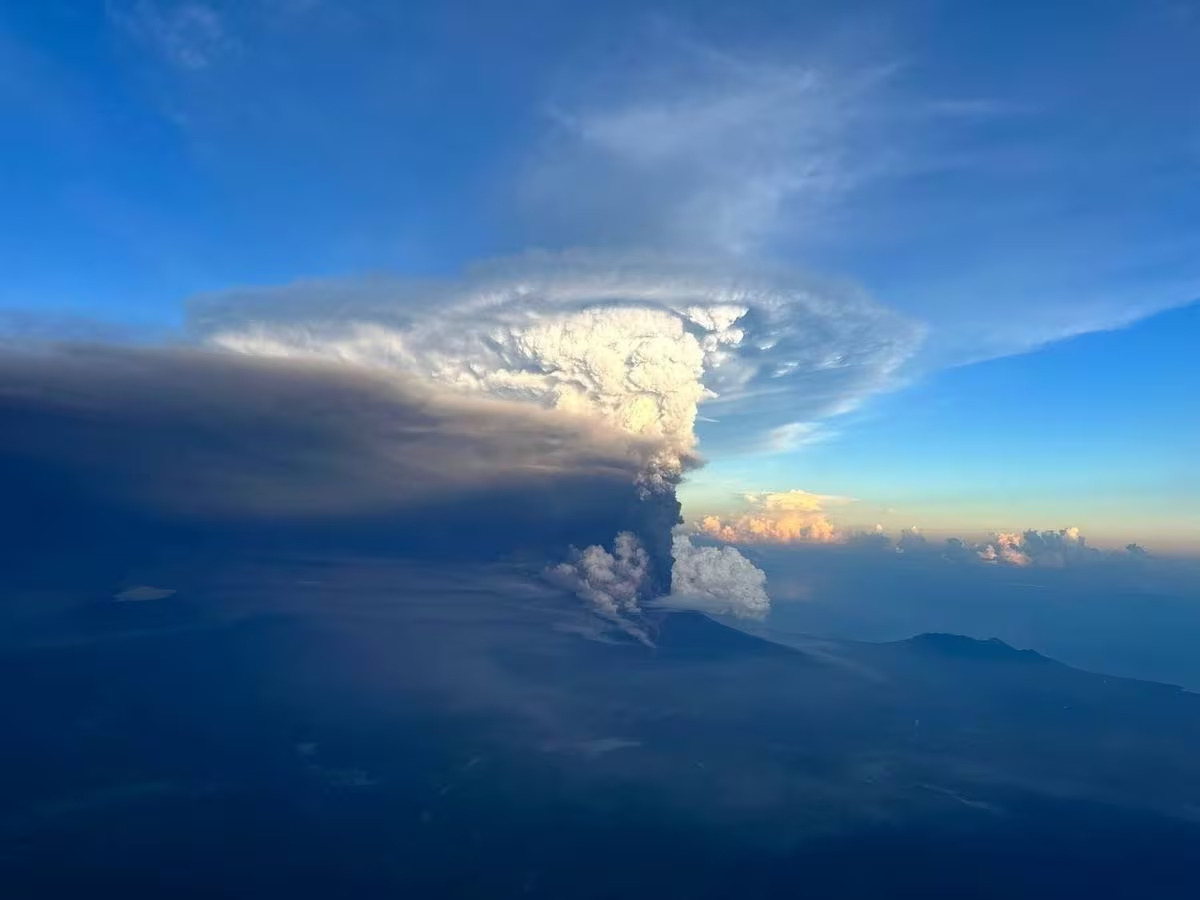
[635,345]
[612,584]
[633,364]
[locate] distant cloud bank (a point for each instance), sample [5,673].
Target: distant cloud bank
[798,517]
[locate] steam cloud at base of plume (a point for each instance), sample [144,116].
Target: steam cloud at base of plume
[617,586]
[718,580]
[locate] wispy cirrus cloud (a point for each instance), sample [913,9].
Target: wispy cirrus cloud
[194,35]
[188,35]
[856,160]
[700,147]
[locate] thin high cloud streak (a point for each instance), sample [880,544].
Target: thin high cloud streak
[195,35]
[189,35]
[698,148]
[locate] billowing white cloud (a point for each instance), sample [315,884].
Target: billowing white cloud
[716,580]
[638,343]
[776,518]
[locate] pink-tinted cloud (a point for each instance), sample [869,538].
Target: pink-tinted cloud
[785,517]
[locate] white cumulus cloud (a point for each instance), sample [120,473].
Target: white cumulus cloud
[776,518]
[1038,548]
[716,580]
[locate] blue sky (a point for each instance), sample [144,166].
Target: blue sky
[1098,430]
[1021,180]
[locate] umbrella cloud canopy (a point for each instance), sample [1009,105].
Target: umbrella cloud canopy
[637,343]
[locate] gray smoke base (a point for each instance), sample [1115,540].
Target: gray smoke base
[660,512]
[612,584]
